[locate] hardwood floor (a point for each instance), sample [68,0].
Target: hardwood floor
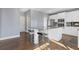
[14,44]
[70,41]
[9,44]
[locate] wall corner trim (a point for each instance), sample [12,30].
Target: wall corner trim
[9,37]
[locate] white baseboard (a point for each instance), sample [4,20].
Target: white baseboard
[9,37]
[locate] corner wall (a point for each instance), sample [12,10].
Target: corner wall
[0,22]
[10,22]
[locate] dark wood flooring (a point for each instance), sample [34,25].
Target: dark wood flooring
[69,40]
[9,44]
[13,44]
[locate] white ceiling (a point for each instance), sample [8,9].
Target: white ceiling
[46,10]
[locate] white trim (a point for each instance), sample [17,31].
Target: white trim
[9,37]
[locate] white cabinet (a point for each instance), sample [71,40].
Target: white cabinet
[68,17]
[53,16]
[58,16]
[61,15]
[72,16]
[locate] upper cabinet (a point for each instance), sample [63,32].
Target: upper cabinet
[57,16]
[72,19]
[61,15]
[66,18]
[53,16]
[57,20]
[72,16]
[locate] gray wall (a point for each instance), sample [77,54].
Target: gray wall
[27,19]
[37,19]
[0,22]
[10,24]
[22,21]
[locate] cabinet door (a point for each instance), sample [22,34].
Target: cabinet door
[53,16]
[72,16]
[61,15]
